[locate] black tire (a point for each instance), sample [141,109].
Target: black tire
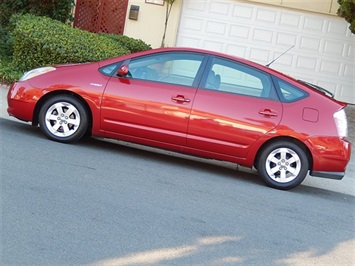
[283,165]
[63,118]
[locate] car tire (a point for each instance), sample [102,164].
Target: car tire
[63,118]
[283,165]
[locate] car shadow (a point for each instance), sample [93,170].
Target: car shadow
[227,170]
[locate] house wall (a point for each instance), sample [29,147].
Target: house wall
[150,24]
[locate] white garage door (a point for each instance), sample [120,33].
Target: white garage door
[323,50]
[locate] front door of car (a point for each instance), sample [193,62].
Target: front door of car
[153,101]
[234,107]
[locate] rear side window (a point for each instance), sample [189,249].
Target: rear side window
[287,92]
[233,77]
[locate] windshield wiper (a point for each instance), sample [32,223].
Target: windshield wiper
[318,88]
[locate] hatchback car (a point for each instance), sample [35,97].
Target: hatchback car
[196,102]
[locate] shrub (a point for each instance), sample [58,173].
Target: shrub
[133,45]
[8,72]
[31,42]
[39,41]
[5,42]
[59,9]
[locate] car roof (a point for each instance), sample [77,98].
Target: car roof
[176,49]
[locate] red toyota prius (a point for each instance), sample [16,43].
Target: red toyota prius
[196,102]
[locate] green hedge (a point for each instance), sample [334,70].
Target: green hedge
[39,41]
[30,41]
[133,45]
[59,9]
[9,73]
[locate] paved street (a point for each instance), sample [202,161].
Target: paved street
[100,203]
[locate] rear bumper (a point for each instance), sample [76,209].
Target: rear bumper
[330,157]
[330,175]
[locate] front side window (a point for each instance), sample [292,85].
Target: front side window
[229,76]
[174,68]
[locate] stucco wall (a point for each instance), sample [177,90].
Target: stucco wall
[150,24]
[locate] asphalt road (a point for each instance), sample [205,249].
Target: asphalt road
[100,203]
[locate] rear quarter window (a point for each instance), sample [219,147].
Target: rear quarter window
[288,92]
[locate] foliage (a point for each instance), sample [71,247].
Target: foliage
[347,10]
[5,42]
[34,41]
[133,45]
[39,41]
[8,72]
[58,9]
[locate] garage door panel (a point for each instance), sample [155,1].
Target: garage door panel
[219,8]
[211,45]
[290,21]
[285,39]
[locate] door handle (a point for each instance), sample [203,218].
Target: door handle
[268,112]
[180,99]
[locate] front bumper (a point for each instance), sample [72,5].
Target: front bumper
[22,99]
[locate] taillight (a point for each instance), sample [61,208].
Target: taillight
[341,123]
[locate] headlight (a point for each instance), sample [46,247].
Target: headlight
[36,72]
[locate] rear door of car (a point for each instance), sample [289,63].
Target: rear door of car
[235,105]
[153,102]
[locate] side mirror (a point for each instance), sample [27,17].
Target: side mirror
[123,71]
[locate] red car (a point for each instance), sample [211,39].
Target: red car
[196,102]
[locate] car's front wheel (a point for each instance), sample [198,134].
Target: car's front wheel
[63,118]
[283,165]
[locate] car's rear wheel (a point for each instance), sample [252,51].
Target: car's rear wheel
[283,165]
[63,118]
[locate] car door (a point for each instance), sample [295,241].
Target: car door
[153,101]
[235,105]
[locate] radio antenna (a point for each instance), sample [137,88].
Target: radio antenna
[280,55]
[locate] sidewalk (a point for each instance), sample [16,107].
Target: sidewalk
[345,186]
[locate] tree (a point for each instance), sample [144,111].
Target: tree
[347,10]
[169,5]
